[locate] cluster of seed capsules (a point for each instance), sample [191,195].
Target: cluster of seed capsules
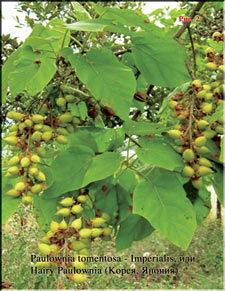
[74,234]
[27,138]
[193,109]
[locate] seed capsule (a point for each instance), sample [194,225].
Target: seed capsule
[61,102]
[78,245]
[33,171]
[188,155]
[26,199]
[44,249]
[200,141]
[174,133]
[13,171]
[36,189]
[96,232]
[98,221]
[207,108]
[14,161]
[204,171]
[85,232]
[25,162]
[77,223]
[46,136]
[66,117]
[79,278]
[37,118]
[15,115]
[54,226]
[188,171]
[36,136]
[63,224]
[204,162]
[35,159]
[20,186]
[11,140]
[76,209]
[62,139]
[13,193]
[67,202]
[82,198]
[41,177]
[63,212]
[202,124]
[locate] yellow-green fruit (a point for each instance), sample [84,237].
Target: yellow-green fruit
[11,140]
[215,84]
[78,245]
[28,123]
[42,264]
[188,155]
[98,221]
[54,248]
[188,171]
[12,133]
[77,209]
[85,232]
[13,170]
[105,216]
[44,249]
[216,91]
[62,139]
[66,117]
[25,162]
[14,127]
[221,119]
[200,141]
[50,234]
[14,160]
[36,189]
[208,96]
[207,108]
[63,212]
[201,94]
[54,226]
[46,136]
[204,171]
[8,175]
[209,50]
[13,193]
[36,136]
[219,129]
[46,128]
[78,265]
[204,162]
[62,131]
[41,152]
[20,186]
[211,66]
[219,76]
[197,83]
[174,133]
[206,87]
[202,124]
[216,35]
[209,133]
[222,88]
[41,177]
[203,150]
[15,115]
[221,68]
[67,201]
[84,252]
[173,103]
[96,232]
[33,171]
[107,231]
[37,118]
[82,198]
[70,98]
[21,127]
[26,199]
[178,141]
[61,102]
[63,225]
[79,278]
[44,239]
[198,184]
[77,223]
[35,159]
[70,128]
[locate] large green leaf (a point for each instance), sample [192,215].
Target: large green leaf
[162,201]
[202,205]
[160,59]
[44,211]
[218,183]
[155,151]
[32,71]
[222,160]
[134,228]
[80,12]
[93,25]
[78,166]
[109,80]
[143,127]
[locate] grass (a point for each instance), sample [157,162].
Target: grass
[21,234]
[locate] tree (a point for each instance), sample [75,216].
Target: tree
[91,144]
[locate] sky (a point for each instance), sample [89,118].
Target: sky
[9,12]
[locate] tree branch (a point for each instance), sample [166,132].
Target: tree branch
[187,24]
[122,52]
[193,52]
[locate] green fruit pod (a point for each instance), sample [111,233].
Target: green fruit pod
[82,198]
[13,193]
[63,212]
[13,171]
[196,83]
[20,186]
[36,136]
[78,264]
[79,278]
[61,139]
[40,177]
[98,221]
[96,232]
[16,116]
[37,118]
[33,171]
[204,171]
[202,124]
[36,189]
[66,117]
[14,161]
[41,152]
[28,123]
[202,150]
[26,199]
[67,202]
[54,226]
[77,223]
[63,224]
[46,136]
[11,140]
[198,183]
[211,66]
[174,133]
[35,159]
[25,162]
[78,245]
[85,233]
[61,102]
[44,249]
[77,209]
[200,141]
[204,162]
[207,108]
[188,171]
[61,131]
[188,155]
[219,129]
[70,98]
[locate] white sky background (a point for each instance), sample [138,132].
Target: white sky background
[9,12]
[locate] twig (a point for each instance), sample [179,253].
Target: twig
[42,103]
[193,51]
[119,53]
[133,140]
[187,24]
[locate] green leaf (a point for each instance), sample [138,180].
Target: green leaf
[202,205]
[217,114]
[143,128]
[32,71]
[77,166]
[218,183]
[44,211]
[80,12]
[128,180]
[222,160]
[155,151]
[162,201]
[109,80]
[134,228]
[89,25]
[9,204]
[160,59]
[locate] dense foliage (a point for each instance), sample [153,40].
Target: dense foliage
[108,130]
